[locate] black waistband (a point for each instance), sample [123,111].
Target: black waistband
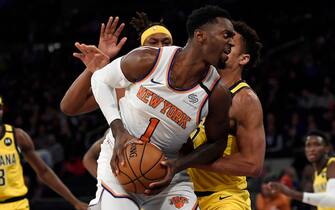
[208,193]
[203,193]
[13,199]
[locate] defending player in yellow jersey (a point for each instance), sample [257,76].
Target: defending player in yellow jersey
[12,185]
[222,185]
[13,191]
[317,148]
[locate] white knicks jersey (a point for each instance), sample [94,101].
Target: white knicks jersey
[154,111]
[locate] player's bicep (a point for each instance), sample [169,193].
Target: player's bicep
[250,128]
[138,63]
[89,105]
[331,171]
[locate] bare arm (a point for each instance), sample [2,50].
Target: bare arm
[43,171]
[248,161]
[91,156]
[322,199]
[79,98]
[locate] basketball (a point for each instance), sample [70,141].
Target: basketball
[142,167]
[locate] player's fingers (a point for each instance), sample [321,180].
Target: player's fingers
[102,29]
[133,141]
[80,47]
[108,26]
[155,185]
[119,30]
[121,43]
[91,48]
[79,55]
[120,157]
[166,180]
[114,24]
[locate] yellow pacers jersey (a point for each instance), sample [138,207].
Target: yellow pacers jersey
[320,181]
[11,173]
[209,181]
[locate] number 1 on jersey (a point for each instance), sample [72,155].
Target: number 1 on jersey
[150,129]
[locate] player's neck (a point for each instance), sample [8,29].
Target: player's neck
[190,60]
[188,68]
[230,75]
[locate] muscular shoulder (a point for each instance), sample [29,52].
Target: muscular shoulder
[244,102]
[138,62]
[331,170]
[23,140]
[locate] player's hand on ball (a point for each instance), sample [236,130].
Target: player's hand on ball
[157,187]
[121,141]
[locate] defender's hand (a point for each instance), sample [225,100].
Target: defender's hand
[157,187]
[276,186]
[91,56]
[109,35]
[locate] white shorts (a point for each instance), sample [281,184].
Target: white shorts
[110,195]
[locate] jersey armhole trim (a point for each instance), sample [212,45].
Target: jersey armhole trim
[154,66]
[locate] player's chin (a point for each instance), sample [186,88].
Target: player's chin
[311,158]
[222,62]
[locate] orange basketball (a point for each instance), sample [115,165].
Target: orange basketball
[142,167]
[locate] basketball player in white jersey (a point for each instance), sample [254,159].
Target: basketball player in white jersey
[171,89]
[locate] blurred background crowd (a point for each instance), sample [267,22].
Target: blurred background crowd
[295,81]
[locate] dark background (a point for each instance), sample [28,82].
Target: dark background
[295,80]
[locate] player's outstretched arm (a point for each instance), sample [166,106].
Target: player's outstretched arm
[79,98]
[248,115]
[43,171]
[322,199]
[91,156]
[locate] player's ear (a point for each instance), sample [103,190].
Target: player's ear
[200,35]
[244,59]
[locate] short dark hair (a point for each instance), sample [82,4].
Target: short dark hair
[319,134]
[204,15]
[252,42]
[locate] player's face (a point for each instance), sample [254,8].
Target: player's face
[158,40]
[237,51]
[219,41]
[315,148]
